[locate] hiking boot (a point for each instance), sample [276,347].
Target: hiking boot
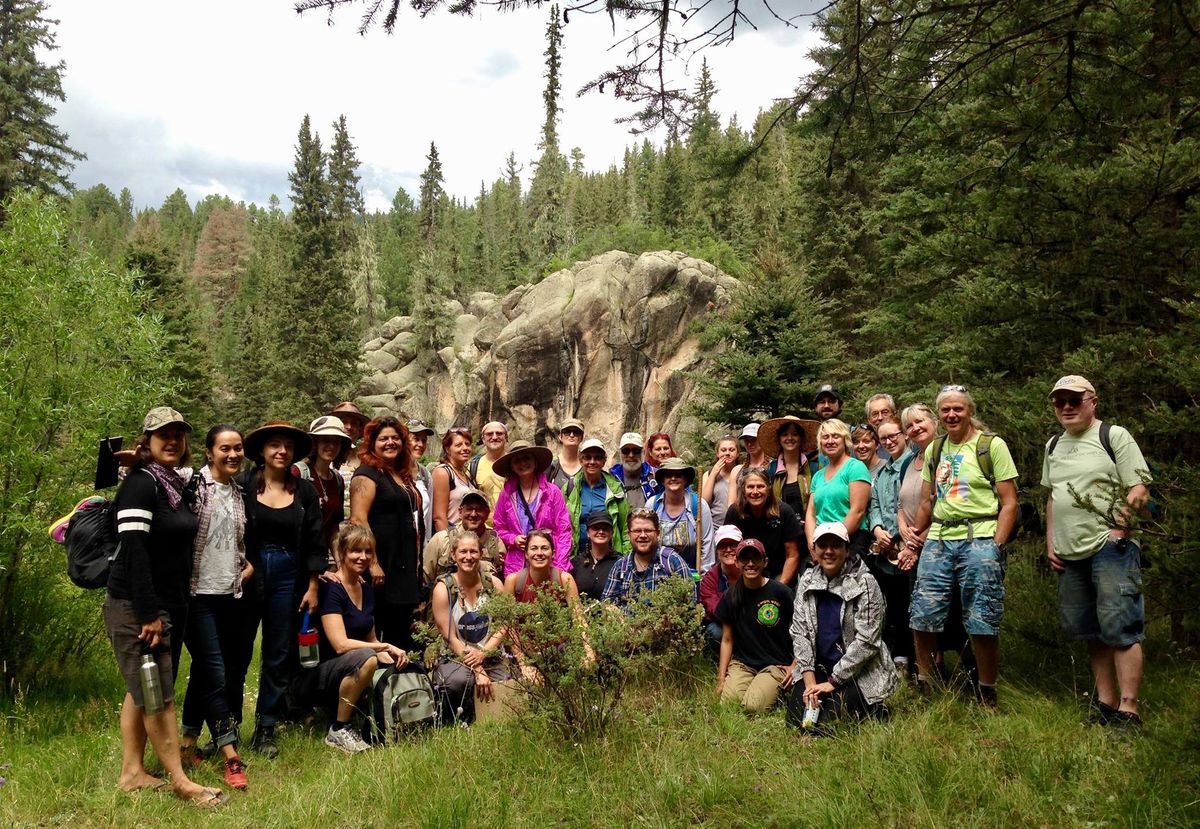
[235,773]
[346,739]
[263,742]
[986,696]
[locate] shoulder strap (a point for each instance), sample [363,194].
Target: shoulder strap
[1106,440]
[522,578]
[473,470]
[302,468]
[449,474]
[983,453]
[451,588]
[1053,443]
[933,456]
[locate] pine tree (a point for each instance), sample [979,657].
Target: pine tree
[362,263]
[432,195]
[514,252]
[34,154]
[431,321]
[346,206]
[547,191]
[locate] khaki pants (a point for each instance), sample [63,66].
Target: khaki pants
[757,691]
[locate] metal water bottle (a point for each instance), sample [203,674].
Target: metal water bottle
[152,692]
[310,656]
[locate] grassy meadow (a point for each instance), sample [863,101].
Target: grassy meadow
[676,758]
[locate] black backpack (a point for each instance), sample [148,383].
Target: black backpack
[92,545]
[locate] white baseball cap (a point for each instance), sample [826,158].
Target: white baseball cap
[631,439]
[592,443]
[832,528]
[728,532]
[751,431]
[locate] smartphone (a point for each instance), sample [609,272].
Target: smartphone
[106,462]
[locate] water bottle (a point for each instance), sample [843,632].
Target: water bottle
[152,692]
[310,656]
[811,714]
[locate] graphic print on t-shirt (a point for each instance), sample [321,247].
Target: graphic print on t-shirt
[473,626]
[768,613]
[952,483]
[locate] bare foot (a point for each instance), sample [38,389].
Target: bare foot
[194,792]
[141,780]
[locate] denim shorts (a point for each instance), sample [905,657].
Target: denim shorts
[1100,598]
[975,569]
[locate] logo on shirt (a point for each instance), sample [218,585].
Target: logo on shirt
[768,613]
[951,482]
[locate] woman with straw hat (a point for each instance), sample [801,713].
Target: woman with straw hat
[283,516]
[529,502]
[790,440]
[331,445]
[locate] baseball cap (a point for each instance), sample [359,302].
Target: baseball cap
[592,443]
[417,426]
[750,431]
[571,423]
[751,544]
[599,518]
[632,439]
[476,493]
[161,416]
[832,528]
[1073,382]
[728,532]
[827,389]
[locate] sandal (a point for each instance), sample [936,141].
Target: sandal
[209,799]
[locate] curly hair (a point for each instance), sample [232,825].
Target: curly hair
[404,461]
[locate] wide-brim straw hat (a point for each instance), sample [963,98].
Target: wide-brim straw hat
[675,465]
[768,434]
[256,440]
[540,454]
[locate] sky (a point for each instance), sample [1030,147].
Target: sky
[208,95]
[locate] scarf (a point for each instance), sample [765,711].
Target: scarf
[171,481]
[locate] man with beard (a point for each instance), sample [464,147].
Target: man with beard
[647,566]
[633,473]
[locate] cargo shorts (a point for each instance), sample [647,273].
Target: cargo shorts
[975,568]
[1100,597]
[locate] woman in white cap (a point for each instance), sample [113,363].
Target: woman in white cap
[330,448]
[529,502]
[284,519]
[145,607]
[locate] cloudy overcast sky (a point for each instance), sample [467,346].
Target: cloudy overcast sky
[208,96]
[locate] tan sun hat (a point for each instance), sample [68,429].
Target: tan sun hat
[1073,382]
[347,411]
[541,457]
[675,465]
[256,440]
[768,434]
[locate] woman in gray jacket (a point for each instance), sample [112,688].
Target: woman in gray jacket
[837,635]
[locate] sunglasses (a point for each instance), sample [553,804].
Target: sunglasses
[1074,402]
[865,427]
[953,388]
[630,450]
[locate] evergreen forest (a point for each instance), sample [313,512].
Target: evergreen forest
[990,193]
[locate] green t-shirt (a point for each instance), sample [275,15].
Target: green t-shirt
[963,491]
[831,499]
[1080,463]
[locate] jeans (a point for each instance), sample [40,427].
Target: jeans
[1100,597]
[219,637]
[278,570]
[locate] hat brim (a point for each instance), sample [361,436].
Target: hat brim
[256,440]
[344,416]
[542,457]
[768,434]
[187,427]
[661,473]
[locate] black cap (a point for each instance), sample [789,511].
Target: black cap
[827,389]
[599,518]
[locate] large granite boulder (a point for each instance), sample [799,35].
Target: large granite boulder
[608,341]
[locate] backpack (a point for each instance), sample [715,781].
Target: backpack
[92,543]
[1105,441]
[983,454]
[397,702]
[473,470]
[523,577]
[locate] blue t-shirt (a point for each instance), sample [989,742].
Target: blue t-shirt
[360,623]
[591,499]
[829,632]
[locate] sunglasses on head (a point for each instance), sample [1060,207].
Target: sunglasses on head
[953,388]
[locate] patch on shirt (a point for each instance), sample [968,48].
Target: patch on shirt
[768,613]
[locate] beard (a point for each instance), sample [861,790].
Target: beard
[633,469]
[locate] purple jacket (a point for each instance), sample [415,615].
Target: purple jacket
[551,515]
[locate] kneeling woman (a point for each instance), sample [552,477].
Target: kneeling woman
[837,635]
[756,646]
[470,660]
[350,650]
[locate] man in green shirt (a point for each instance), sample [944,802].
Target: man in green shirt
[1100,580]
[969,494]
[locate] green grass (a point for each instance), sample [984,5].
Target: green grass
[676,758]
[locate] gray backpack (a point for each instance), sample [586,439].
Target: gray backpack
[398,702]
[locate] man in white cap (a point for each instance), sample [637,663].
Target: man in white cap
[1099,581]
[635,475]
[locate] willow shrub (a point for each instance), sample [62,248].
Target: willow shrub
[79,360]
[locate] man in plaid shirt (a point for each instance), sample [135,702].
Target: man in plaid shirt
[647,566]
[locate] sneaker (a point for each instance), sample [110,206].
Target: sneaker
[986,696]
[235,773]
[346,739]
[263,742]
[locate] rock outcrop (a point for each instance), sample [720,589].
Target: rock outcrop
[607,341]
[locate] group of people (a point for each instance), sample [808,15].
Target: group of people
[837,558]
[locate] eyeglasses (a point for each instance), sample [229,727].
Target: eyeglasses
[889,438]
[1074,402]
[953,388]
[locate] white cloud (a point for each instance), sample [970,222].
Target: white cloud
[209,96]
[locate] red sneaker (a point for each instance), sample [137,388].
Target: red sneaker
[235,773]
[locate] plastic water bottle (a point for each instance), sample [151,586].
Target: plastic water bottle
[152,692]
[811,715]
[310,655]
